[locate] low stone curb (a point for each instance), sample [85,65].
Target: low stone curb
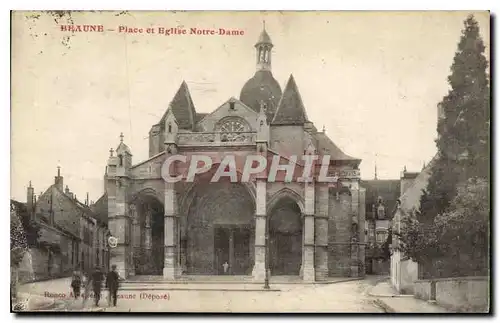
[387,309]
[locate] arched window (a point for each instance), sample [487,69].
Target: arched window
[121,159]
[169,128]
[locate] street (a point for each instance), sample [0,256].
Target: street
[348,296]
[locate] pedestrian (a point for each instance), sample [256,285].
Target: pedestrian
[86,288]
[226,267]
[76,283]
[112,283]
[97,284]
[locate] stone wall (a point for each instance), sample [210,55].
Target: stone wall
[339,235]
[462,294]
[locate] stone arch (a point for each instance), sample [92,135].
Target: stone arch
[147,191]
[148,231]
[217,226]
[285,193]
[285,226]
[188,195]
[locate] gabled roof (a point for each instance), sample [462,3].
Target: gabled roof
[388,189]
[411,196]
[325,146]
[290,107]
[182,107]
[123,148]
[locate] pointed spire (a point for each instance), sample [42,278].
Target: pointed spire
[121,136]
[182,107]
[376,170]
[290,107]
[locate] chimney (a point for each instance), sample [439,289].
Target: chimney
[58,180]
[30,199]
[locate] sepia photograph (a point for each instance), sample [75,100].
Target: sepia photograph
[250,162]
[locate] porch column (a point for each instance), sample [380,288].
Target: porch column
[259,269]
[231,251]
[171,262]
[321,231]
[356,227]
[136,237]
[148,233]
[307,268]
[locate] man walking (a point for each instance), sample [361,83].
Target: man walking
[96,284]
[112,284]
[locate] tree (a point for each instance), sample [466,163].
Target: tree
[463,231]
[463,131]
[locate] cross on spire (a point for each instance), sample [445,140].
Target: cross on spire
[121,136]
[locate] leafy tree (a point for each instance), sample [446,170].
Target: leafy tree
[463,231]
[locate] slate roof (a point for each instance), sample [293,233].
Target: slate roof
[326,146]
[264,38]
[290,107]
[261,87]
[182,107]
[388,189]
[411,196]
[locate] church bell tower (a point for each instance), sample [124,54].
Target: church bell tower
[263,51]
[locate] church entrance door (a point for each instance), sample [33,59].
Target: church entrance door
[232,245]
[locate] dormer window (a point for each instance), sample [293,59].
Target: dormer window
[381,212]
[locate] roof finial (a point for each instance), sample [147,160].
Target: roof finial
[30,184]
[111,152]
[264,24]
[121,136]
[423,166]
[376,170]
[324,129]
[58,171]
[404,169]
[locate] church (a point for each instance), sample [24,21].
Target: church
[311,230]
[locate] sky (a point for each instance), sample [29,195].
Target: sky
[372,79]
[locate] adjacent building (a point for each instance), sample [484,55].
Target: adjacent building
[381,200]
[404,271]
[71,235]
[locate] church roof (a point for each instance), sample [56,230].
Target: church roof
[264,38]
[182,107]
[325,146]
[290,107]
[123,148]
[261,87]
